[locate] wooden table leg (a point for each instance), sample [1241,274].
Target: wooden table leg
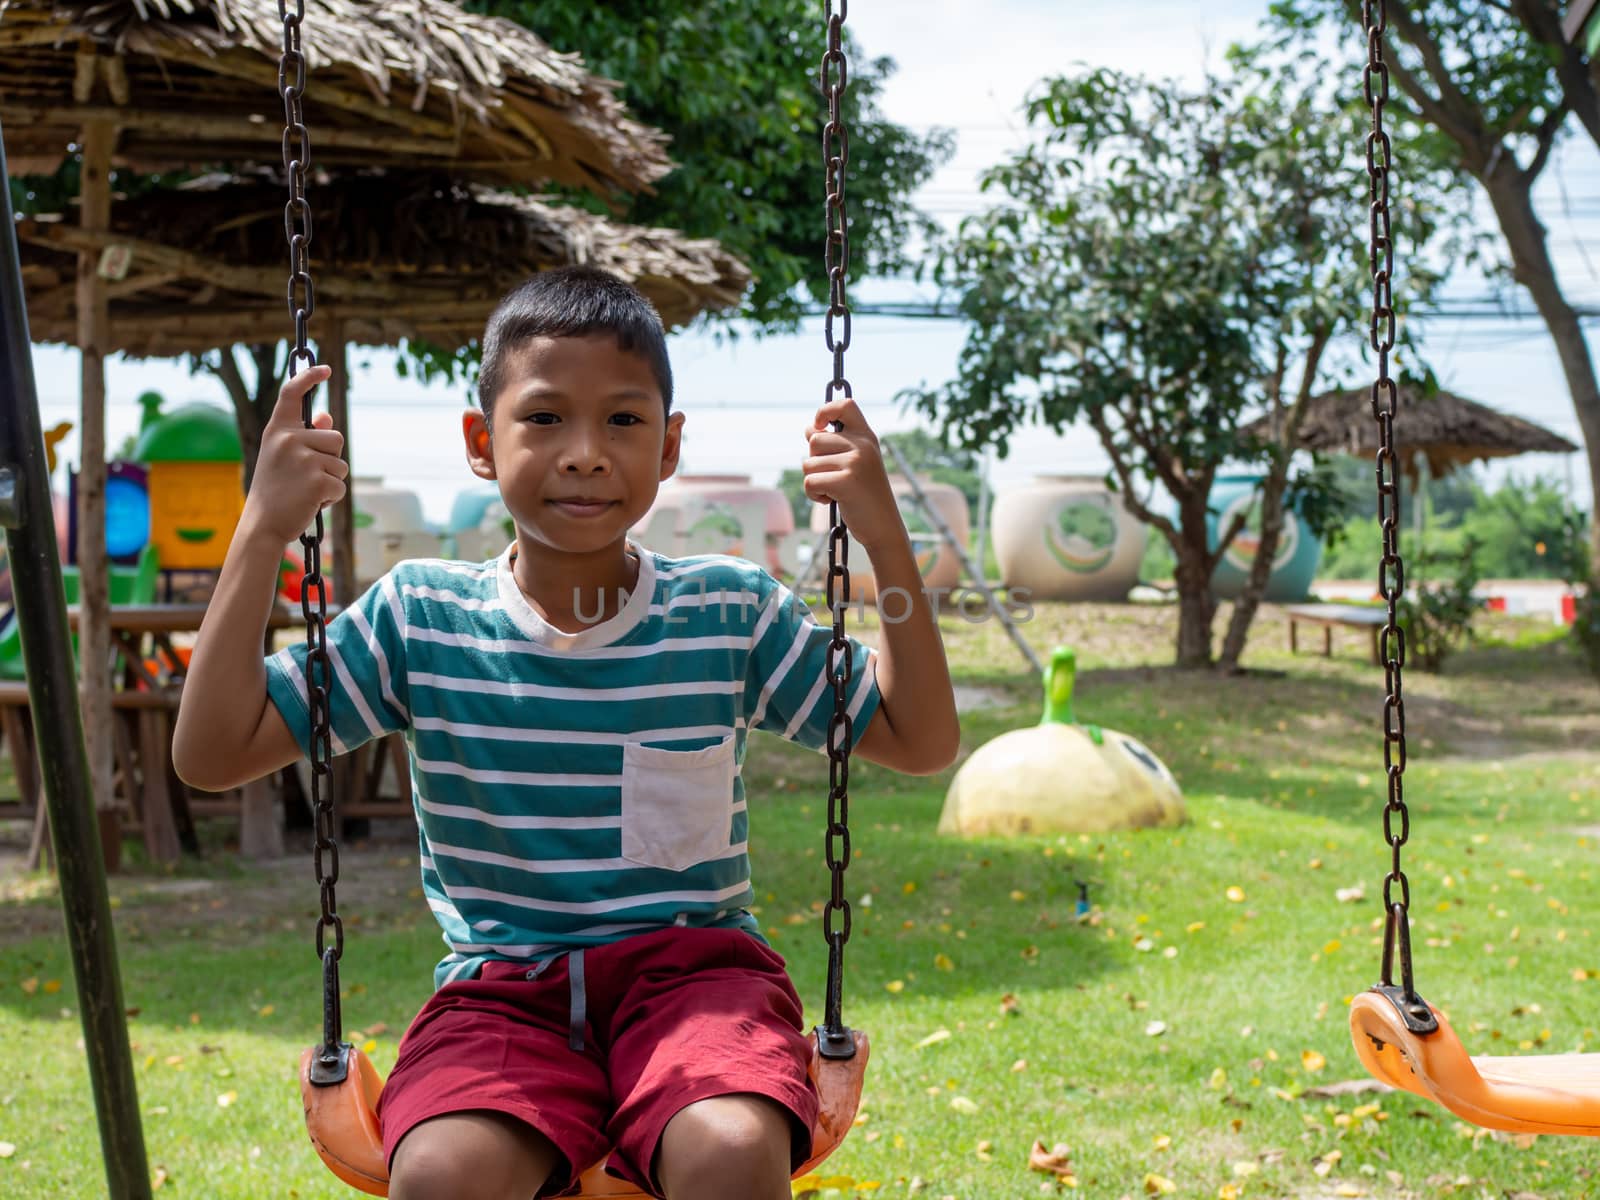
[260,829]
[160,828]
[1327,641]
[18,733]
[1294,642]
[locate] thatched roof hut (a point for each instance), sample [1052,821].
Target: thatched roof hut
[421,82]
[1448,430]
[396,256]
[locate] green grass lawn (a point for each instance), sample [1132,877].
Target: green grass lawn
[1172,1043]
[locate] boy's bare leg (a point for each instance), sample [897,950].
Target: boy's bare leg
[726,1148]
[472,1156]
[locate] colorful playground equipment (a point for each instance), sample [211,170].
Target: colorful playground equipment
[1299,549]
[1060,776]
[196,483]
[1067,537]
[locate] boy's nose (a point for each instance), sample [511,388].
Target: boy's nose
[585,455]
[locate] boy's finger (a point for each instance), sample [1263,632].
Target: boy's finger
[841,408]
[292,393]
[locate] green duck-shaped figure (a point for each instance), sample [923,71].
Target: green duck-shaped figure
[1061,776]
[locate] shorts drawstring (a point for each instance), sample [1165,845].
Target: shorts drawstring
[578,1013]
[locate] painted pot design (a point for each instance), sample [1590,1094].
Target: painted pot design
[1067,537]
[938,563]
[718,514]
[1299,553]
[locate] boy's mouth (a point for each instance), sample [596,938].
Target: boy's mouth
[578,507]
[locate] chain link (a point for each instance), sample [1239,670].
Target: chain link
[1385,403]
[841,667]
[301,296]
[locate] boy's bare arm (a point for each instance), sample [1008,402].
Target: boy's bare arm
[228,732]
[916,729]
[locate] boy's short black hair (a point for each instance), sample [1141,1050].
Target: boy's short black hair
[572,302]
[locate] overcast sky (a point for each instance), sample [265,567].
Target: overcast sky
[967,67]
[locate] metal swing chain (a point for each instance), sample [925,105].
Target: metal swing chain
[834,1040]
[313,590]
[1391,568]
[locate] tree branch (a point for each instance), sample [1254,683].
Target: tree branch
[1577,84]
[1097,420]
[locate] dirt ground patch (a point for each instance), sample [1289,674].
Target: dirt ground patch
[378,885]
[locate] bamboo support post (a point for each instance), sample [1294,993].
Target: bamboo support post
[62,762]
[94,630]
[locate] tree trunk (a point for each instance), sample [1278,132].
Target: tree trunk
[1197,606]
[1511,197]
[1255,584]
[94,624]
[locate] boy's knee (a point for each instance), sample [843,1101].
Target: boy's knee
[471,1155]
[726,1136]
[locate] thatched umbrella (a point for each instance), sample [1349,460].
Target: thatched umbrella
[1444,431]
[399,256]
[421,81]
[165,84]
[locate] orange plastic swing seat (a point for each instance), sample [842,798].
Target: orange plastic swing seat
[1535,1093]
[342,1120]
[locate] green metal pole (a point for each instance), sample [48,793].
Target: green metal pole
[41,609]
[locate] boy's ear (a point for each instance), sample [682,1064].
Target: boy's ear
[480,454]
[671,445]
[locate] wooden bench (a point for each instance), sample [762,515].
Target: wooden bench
[1351,616]
[162,809]
[154,796]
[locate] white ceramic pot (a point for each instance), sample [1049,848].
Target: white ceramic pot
[1067,537]
[717,514]
[389,528]
[940,566]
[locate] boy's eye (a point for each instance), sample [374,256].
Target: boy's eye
[626,418]
[543,418]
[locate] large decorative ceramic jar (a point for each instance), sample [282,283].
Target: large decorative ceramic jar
[390,528]
[939,564]
[1299,549]
[1067,537]
[718,514]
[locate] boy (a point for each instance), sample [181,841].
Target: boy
[576,713]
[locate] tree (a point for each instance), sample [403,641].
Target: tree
[1484,89]
[735,82]
[1165,263]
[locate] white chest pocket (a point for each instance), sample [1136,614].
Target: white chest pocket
[677,805]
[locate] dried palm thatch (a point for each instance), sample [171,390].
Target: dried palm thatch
[394,256]
[419,83]
[1447,430]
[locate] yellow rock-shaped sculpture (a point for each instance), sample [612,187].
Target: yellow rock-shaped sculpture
[1061,777]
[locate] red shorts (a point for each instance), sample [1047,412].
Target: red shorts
[673,1017]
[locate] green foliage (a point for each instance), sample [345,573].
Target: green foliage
[1521,528]
[1572,552]
[1155,263]
[1436,615]
[734,82]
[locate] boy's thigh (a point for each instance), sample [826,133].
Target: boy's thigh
[499,1044]
[475,1154]
[711,1013]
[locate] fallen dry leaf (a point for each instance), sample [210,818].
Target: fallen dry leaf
[1055,1161]
[1158,1185]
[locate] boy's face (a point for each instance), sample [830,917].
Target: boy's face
[579,443]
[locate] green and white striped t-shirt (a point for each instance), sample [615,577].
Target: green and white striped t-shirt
[572,789]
